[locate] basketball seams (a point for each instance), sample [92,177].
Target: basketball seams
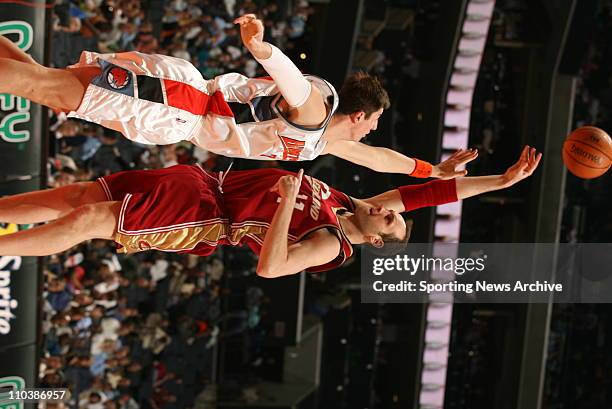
[584,164]
[597,148]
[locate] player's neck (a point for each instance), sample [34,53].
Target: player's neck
[348,222]
[339,128]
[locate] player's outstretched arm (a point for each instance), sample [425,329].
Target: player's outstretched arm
[277,257]
[296,90]
[411,197]
[523,168]
[389,161]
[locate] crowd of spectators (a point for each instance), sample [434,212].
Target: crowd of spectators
[118,330]
[140,331]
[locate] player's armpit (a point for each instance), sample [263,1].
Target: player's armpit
[313,112]
[318,249]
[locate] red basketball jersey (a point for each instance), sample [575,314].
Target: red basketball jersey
[250,206]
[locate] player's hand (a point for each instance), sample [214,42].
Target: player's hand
[288,186]
[524,167]
[252,32]
[448,168]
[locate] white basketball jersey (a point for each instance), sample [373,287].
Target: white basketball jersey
[157,99]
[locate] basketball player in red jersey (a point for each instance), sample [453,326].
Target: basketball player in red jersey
[293,222]
[158,99]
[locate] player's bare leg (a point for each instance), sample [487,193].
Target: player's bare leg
[92,221]
[59,89]
[9,49]
[44,205]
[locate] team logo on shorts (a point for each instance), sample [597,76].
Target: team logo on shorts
[118,78]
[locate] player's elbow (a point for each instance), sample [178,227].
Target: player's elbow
[272,271]
[265,273]
[265,270]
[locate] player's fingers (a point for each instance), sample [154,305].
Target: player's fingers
[299,176]
[459,153]
[452,155]
[244,19]
[528,156]
[469,152]
[455,154]
[537,161]
[524,152]
[532,154]
[468,156]
[459,160]
[534,163]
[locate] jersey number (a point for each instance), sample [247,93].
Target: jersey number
[298,205]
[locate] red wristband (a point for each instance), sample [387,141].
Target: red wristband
[422,169]
[432,193]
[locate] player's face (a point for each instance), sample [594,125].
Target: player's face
[377,220]
[364,125]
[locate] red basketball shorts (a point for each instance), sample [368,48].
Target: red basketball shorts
[175,209]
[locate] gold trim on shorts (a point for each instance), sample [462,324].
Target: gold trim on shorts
[188,238]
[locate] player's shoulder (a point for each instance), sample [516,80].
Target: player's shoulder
[327,241]
[324,237]
[323,246]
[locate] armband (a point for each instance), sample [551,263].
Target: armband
[422,169]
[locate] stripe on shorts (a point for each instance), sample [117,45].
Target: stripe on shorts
[188,98]
[150,88]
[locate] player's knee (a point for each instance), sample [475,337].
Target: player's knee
[36,80]
[57,88]
[92,221]
[84,218]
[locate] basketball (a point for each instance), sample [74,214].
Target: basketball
[587,152]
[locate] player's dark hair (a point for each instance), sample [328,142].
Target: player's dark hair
[393,244]
[362,92]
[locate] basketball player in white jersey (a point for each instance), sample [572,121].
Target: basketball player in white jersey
[157,99]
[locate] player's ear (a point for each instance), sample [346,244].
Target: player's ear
[375,241]
[357,116]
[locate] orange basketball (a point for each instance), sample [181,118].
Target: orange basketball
[587,152]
